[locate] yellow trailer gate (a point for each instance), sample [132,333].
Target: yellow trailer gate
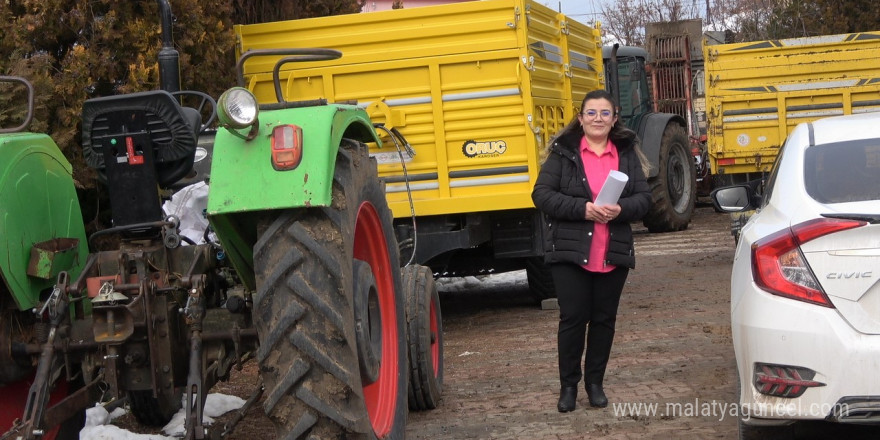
[757,92]
[477,88]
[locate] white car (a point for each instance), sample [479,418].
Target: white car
[805,283]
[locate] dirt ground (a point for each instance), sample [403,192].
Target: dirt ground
[671,373]
[672,346]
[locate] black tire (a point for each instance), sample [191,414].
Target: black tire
[70,428]
[151,411]
[674,188]
[540,279]
[756,432]
[305,318]
[12,370]
[424,326]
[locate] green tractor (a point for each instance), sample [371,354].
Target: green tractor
[664,139]
[304,275]
[42,245]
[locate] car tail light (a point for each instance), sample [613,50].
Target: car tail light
[287,147]
[779,267]
[783,380]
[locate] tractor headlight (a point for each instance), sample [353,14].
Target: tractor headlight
[237,108]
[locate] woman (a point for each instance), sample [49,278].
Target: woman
[590,247]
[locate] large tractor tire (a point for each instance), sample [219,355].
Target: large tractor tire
[332,336]
[540,279]
[674,188]
[424,326]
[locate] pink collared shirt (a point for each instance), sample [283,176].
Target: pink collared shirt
[597,168]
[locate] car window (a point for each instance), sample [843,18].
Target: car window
[767,189]
[843,172]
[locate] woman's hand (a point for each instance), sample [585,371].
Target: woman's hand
[602,214]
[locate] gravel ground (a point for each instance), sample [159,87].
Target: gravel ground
[671,373]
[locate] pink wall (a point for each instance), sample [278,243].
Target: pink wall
[382,5]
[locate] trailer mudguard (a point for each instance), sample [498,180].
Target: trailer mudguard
[41,226]
[650,131]
[244,183]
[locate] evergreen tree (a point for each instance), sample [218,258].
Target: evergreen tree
[73,50]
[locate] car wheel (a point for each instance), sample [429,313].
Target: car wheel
[757,432]
[761,432]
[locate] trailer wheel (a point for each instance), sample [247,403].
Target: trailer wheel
[540,279]
[305,312]
[674,187]
[424,326]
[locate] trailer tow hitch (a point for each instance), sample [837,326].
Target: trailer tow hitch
[195,393]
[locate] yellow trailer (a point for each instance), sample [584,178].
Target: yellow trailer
[757,92]
[476,88]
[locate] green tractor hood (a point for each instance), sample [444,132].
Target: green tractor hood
[41,227]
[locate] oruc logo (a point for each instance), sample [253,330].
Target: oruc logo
[473,148]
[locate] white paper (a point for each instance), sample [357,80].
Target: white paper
[189,205]
[611,189]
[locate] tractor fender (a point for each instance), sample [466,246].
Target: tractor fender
[650,131]
[244,185]
[41,228]
[244,180]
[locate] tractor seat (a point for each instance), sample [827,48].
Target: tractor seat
[155,118]
[138,143]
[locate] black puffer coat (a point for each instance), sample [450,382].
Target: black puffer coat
[561,193]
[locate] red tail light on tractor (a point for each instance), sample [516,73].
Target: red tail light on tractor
[287,147]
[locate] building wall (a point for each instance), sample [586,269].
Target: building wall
[383,5]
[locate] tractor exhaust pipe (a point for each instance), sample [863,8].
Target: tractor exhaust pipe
[169,59]
[613,79]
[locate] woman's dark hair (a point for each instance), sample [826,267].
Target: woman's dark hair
[620,134]
[600,94]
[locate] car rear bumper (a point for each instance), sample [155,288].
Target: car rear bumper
[857,409]
[774,330]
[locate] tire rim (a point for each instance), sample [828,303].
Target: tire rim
[370,246]
[676,184]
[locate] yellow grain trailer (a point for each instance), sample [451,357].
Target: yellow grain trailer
[476,88]
[756,92]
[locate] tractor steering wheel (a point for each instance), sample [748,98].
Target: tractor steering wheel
[203,99]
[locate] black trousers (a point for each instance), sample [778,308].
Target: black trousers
[586,298]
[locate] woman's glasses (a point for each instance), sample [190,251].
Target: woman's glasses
[605,114]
